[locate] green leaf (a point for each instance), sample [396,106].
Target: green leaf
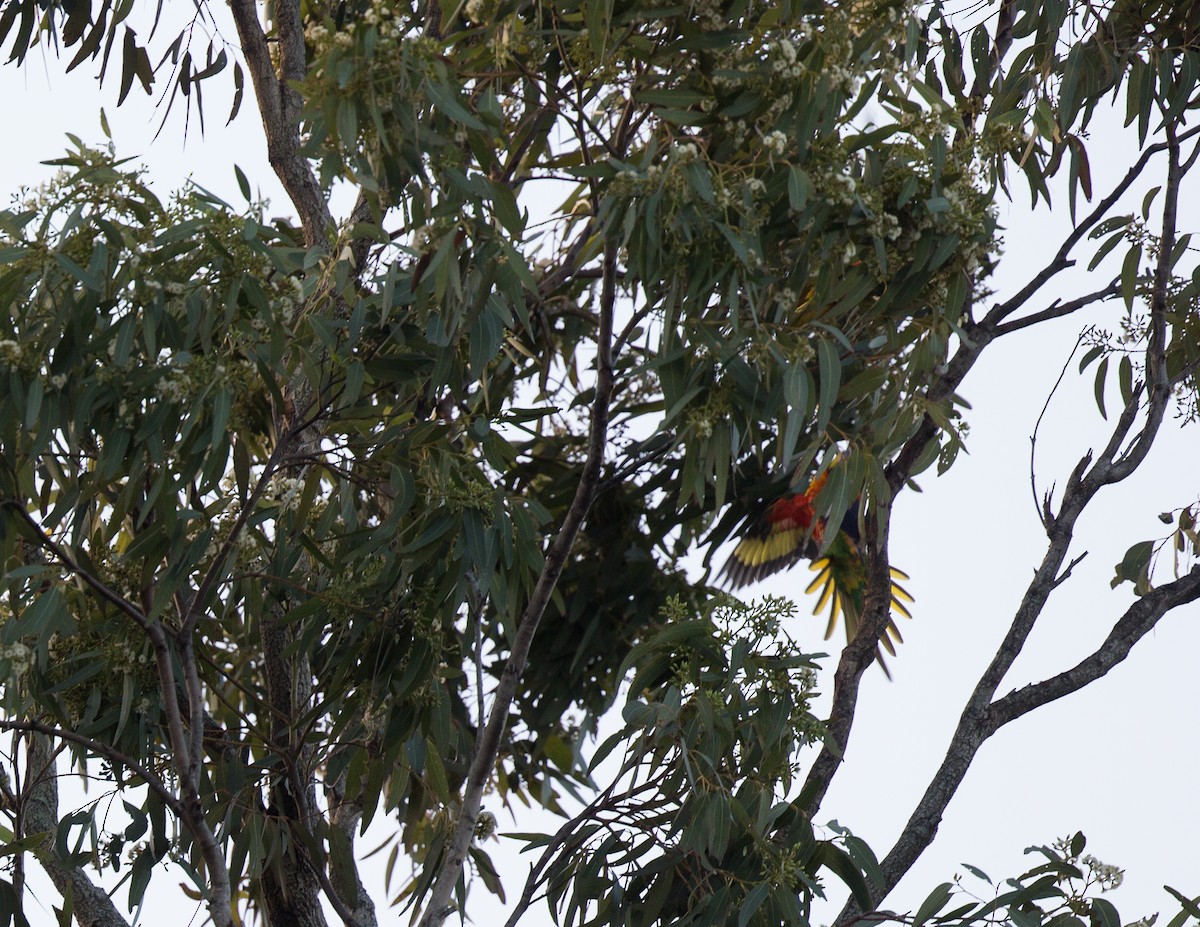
[1129,275]
[505,205]
[754,899]
[446,99]
[1191,907]
[1091,355]
[1098,387]
[243,184]
[933,903]
[799,189]
[830,375]
[1125,378]
[1134,566]
[841,865]
[668,639]
[1104,914]
[46,616]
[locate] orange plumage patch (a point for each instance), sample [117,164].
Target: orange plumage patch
[788,531]
[782,535]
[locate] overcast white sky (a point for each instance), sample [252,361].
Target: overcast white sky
[1117,761]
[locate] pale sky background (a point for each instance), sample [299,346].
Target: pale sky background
[1117,761]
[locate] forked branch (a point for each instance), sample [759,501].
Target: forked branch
[983,714]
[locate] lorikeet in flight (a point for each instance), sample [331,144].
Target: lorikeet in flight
[787,531]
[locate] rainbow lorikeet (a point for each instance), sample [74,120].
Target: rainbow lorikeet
[787,531]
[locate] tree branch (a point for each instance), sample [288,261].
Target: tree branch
[1061,260]
[67,560]
[855,658]
[345,817]
[1139,619]
[279,104]
[982,717]
[149,779]
[488,746]
[38,814]
[1058,309]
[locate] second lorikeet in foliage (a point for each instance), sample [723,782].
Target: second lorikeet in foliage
[787,531]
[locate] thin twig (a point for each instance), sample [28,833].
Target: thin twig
[1043,511]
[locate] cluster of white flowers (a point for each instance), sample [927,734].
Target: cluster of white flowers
[34,198]
[709,15]
[785,298]
[1108,875]
[847,185]
[485,825]
[785,59]
[247,547]
[886,226]
[686,152]
[775,142]
[19,657]
[701,424]
[10,352]
[926,122]
[626,183]
[739,130]
[285,490]
[843,78]
[778,107]
[174,385]
[1136,232]
[124,656]
[319,36]
[727,80]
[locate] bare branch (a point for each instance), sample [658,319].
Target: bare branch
[1139,619]
[1061,260]
[1066,574]
[1058,309]
[151,780]
[1043,509]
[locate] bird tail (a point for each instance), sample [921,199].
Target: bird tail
[841,582]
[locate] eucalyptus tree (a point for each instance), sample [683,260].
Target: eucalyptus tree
[326,521]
